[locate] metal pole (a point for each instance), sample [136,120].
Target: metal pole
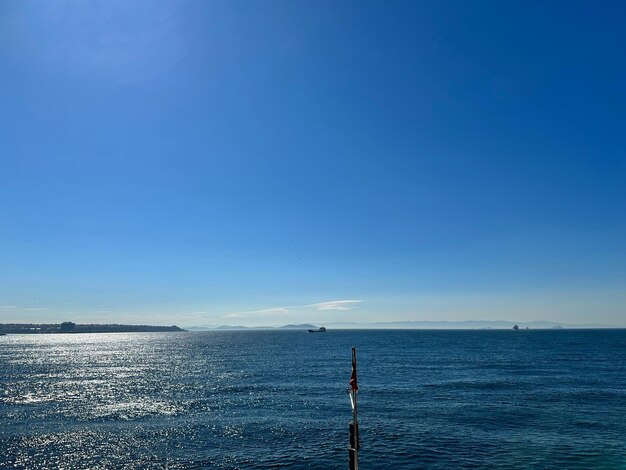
[353,450]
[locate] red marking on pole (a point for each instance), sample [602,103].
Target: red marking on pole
[352,382]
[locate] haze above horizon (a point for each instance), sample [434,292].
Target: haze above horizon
[207,163]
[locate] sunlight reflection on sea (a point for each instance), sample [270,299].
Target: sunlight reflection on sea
[429,399]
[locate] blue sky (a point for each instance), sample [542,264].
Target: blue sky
[203,163]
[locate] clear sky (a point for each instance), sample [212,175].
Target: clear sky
[270,162]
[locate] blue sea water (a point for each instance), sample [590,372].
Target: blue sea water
[272,399]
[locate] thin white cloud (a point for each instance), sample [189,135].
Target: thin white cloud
[21,309]
[234,315]
[263,311]
[273,311]
[337,305]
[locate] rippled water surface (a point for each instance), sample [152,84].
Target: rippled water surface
[268,399]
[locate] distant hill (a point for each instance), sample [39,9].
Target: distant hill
[466,325]
[70,327]
[231,327]
[304,326]
[418,325]
[240,327]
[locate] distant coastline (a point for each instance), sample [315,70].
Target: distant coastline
[70,327]
[472,325]
[418,325]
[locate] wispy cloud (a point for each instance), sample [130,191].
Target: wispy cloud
[21,309]
[272,311]
[235,315]
[337,305]
[263,311]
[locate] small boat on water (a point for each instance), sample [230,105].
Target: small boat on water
[321,329]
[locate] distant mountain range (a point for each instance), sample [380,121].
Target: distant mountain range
[71,327]
[468,325]
[417,325]
[304,326]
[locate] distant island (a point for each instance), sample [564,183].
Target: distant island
[471,325]
[71,327]
[418,325]
[302,326]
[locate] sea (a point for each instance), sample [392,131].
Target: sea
[528,399]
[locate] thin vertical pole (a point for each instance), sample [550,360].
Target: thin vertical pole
[353,450]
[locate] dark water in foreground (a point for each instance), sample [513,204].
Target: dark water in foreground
[429,399]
